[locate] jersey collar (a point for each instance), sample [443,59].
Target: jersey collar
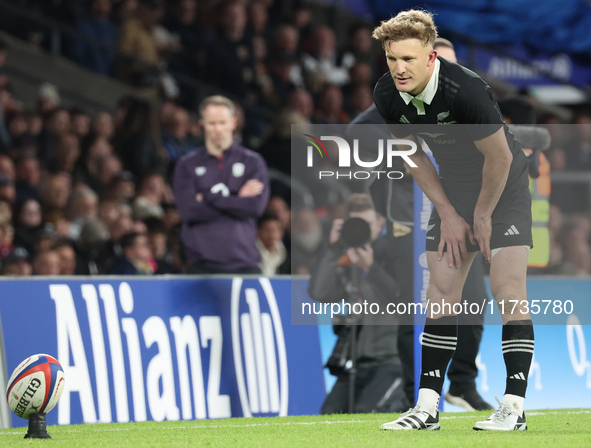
[428,93]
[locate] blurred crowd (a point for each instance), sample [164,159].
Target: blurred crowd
[80,193]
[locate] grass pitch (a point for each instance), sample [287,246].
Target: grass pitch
[552,428]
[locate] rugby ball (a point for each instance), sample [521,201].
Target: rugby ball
[36,385]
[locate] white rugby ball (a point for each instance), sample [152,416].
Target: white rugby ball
[36,385]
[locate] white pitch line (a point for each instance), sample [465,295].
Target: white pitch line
[325,422]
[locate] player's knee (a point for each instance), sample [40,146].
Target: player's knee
[504,293]
[442,291]
[442,295]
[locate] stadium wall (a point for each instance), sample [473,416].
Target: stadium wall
[173,348]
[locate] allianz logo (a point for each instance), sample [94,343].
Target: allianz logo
[575,338]
[260,356]
[168,368]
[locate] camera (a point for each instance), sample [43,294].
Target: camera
[355,232]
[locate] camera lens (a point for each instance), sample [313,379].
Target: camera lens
[355,232]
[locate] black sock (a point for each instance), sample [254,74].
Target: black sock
[518,350]
[440,338]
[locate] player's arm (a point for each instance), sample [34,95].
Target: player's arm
[251,200]
[185,194]
[497,162]
[453,227]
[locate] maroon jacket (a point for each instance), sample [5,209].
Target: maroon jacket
[220,232]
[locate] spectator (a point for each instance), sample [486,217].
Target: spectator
[67,257]
[330,107]
[184,24]
[5,211]
[61,225]
[360,46]
[122,188]
[7,189]
[82,203]
[6,239]
[136,256]
[95,255]
[108,212]
[46,263]
[285,42]
[359,75]
[67,153]
[276,147]
[119,225]
[57,125]
[230,58]
[361,99]
[136,140]
[258,18]
[158,239]
[28,222]
[220,191]
[56,191]
[150,197]
[322,64]
[17,263]
[124,10]
[137,39]
[575,244]
[6,106]
[45,238]
[18,129]
[80,123]
[28,176]
[306,240]
[270,246]
[301,19]
[48,98]
[175,139]
[34,126]
[279,208]
[107,170]
[301,101]
[98,52]
[103,126]
[279,86]
[171,219]
[94,150]
[7,167]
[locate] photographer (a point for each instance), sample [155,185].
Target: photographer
[378,382]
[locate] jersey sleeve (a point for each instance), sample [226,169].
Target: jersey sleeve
[477,107]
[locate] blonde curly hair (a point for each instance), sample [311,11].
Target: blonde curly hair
[411,24]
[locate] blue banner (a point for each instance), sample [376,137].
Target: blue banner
[532,69]
[172,349]
[560,374]
[187,348]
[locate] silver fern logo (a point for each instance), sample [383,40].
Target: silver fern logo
[442,116]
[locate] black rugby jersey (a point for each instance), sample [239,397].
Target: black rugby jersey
[462,97]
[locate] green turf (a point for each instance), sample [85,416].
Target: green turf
[556,428]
